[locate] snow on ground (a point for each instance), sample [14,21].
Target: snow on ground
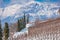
[23,31]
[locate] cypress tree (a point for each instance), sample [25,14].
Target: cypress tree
[0,31]
[21,23]
[24,20]
[6,31]
[28,18]
[18,29]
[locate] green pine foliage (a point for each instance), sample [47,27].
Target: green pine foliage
[24,21]
[18,29]
[6,31]
[21,23]
[0,31]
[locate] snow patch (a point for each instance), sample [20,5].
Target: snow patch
[23,31]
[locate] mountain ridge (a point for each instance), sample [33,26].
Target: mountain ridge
[33,8]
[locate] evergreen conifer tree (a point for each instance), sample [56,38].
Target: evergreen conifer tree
[27,18]
[21,23]
[0,31]
[18,29]
[24,20]
[6,31]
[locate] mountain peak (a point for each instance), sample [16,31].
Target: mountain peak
[42,10]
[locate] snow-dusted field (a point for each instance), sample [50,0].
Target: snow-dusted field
[40,37]
[45,37]
[55,35]
[45,31]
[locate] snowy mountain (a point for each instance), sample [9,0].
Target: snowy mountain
[42,10]
[34,9]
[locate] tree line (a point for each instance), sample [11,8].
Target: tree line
[21,25]
[22,22]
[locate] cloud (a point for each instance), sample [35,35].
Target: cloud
[10,10]
[20,1]
[1,11]
[5,3]
[33,8]
[44,9]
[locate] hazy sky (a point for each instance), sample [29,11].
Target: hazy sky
[3,3]
[48,0]
[12,9]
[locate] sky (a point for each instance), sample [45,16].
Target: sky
[6,1]
[3,3]
[12,9]
[48,0]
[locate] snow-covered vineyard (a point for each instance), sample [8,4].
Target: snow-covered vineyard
[49,30]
